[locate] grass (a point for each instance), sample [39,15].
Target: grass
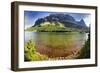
[54,27]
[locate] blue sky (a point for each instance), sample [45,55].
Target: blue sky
[31,16]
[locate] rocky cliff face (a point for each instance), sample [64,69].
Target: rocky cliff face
[65,19]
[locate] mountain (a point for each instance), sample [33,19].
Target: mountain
[82,23]
[65,19]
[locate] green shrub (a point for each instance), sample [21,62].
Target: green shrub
[30,53]
[85,51]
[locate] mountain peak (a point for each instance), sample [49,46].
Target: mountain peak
[82,22]
[65,19]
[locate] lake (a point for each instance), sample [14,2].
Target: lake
[57,44]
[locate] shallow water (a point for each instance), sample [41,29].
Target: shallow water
[57,44]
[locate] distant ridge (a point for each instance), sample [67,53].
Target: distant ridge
[66,19]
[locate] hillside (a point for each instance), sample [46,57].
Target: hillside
[58,22]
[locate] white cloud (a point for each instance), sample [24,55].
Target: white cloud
[87,20]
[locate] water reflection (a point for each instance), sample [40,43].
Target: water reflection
[54,44]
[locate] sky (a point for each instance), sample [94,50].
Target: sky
[31,16]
